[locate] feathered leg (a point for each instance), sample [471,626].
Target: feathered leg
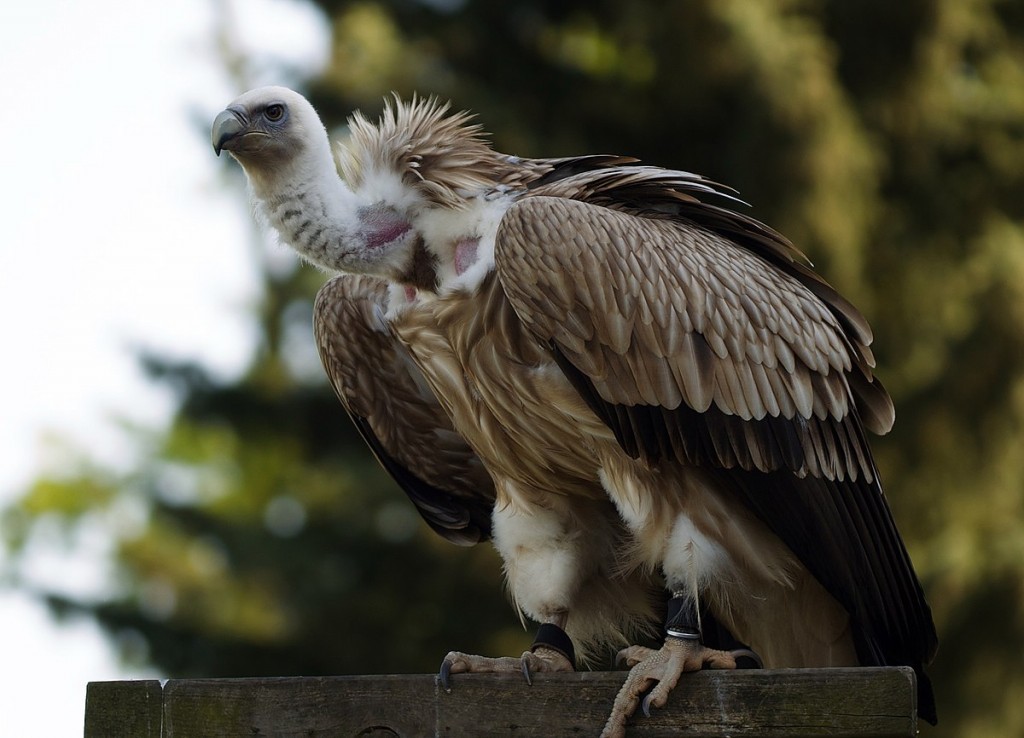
[560,563]
[541,548]
[689,533]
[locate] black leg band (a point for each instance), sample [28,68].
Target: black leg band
[681,618]
[551,636]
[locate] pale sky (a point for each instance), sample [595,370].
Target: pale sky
[115,233]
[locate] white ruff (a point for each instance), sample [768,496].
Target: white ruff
[443,229]
[385,185]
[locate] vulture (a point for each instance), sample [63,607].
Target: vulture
[646,400]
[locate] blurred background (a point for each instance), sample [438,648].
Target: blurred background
[182,496]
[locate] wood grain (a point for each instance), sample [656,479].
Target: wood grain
[788,702]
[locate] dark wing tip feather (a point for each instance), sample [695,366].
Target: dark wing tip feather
[464,522]
[845,534]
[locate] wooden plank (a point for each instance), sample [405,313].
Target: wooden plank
[123,709]
[708,704]
[840,703]
[294,706]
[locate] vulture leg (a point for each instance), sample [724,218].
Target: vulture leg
[552,650]
[540,547]
[655,672]
[560,560]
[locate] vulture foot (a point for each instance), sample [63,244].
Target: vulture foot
[661,670]
[540,659]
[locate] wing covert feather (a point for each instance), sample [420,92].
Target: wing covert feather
[397,415]
[658,314]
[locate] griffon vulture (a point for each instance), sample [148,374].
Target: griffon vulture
[648,401]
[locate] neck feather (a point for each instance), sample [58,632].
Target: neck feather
[369,231]
[317,215]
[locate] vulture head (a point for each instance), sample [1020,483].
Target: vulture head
[279,140]
[269,131]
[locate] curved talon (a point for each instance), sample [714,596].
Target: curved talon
[445,676]
[742,655]
[646,704]
[526,672]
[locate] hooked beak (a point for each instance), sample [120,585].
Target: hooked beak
[227,126]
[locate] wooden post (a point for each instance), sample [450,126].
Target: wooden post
[123,709]
[851,703]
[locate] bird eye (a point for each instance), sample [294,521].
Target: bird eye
[274,112]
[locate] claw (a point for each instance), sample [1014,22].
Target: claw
[646,704]
[446,675]
[526,672]
[746,659]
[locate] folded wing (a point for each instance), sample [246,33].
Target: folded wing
[397,414]
[699,338]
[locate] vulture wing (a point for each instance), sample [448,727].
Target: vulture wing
[397,414]
[697,335]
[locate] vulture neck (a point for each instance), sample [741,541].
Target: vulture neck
[329,225]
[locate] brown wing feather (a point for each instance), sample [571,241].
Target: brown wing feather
[660,315]
[682,196]
[396,413]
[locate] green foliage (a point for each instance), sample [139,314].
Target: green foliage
[259,537]
[885,138]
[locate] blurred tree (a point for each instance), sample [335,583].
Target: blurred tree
[259,537]
[886,139]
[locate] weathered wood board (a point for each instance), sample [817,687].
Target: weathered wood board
[785,702]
